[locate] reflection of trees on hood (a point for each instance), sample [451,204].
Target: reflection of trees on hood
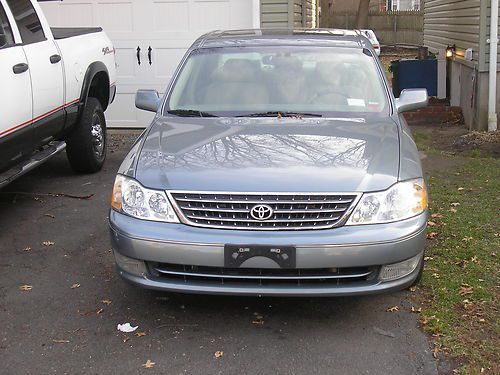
[246,151]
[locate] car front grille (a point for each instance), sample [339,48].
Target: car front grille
[290,211]
[258,277]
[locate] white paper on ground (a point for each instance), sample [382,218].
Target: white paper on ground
[126,327]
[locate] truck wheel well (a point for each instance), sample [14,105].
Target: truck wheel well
[99,89]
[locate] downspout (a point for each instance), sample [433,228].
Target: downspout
[492,89]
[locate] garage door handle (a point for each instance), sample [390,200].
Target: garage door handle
[149,55]
[54,59]
[20,68]
[138,55]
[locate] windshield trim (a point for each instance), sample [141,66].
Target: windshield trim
[388,93]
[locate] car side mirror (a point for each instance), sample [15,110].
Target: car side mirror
[411,99]
[148,100]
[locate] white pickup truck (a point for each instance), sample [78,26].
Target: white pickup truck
[55,85]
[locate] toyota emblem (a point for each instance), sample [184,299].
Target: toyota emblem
[261,212]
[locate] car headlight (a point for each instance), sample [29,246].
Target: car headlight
[401,201]
[135,200]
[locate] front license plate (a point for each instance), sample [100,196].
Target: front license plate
[235,255]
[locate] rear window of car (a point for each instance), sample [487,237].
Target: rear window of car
[6,37]
[27,21]
[245,80]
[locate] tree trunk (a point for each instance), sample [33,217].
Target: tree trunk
[362,18]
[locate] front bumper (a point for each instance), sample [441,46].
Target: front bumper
[343,247]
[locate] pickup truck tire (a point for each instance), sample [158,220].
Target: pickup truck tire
[86,145]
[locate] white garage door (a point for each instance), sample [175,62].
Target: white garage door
[168,27]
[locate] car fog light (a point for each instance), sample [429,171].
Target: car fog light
[398,270]
[130,265]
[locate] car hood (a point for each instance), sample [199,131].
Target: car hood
[267,155]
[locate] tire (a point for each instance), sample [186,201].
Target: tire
[86,145]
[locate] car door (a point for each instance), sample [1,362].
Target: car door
[45,67]
[16,132]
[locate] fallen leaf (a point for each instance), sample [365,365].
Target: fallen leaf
[437,216]
[431,235]
[27,248]
[413,288]
[140,334]
[452,210]
[50,215]
[218,354]
[74,286]
[465,290]
[148,364]
[47,243]
[460,189]
[455,204]
[106,301]
[392,309]
[416,311]
[25,288]
[61,341]
[481,320]
[436,275]
[258,322]
[428,258]
[99,311]
[431,223]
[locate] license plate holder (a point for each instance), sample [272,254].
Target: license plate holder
[235,255]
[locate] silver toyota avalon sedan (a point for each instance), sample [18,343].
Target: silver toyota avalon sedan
[278,163]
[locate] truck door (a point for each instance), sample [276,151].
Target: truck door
[45,67]
[16,132]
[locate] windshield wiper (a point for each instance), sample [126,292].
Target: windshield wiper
[190,113]
[282,114]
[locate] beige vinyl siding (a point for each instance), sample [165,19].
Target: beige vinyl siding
[453,22]
[288,13]
[274,13]
[484,60]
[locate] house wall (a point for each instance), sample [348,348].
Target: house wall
[288,13]
[452,22]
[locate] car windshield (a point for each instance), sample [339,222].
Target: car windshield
[269,81]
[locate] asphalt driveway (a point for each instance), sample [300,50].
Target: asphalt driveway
[66,323]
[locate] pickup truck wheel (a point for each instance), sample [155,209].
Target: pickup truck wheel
[86,145]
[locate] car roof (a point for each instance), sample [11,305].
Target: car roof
[276,37]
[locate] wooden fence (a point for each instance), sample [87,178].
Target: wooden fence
[401,27]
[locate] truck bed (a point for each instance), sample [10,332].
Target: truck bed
[68,32]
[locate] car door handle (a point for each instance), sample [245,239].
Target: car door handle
[54,59]
[20,68]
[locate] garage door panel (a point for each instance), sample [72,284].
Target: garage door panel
[116,16]
[210,15]
[172,16]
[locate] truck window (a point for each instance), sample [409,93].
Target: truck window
[6,37]
[27,21]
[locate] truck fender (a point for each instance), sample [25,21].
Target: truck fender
[95,84]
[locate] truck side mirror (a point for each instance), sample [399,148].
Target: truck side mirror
[411,99]
[148,100]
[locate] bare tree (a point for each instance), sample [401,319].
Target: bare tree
[362,18]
